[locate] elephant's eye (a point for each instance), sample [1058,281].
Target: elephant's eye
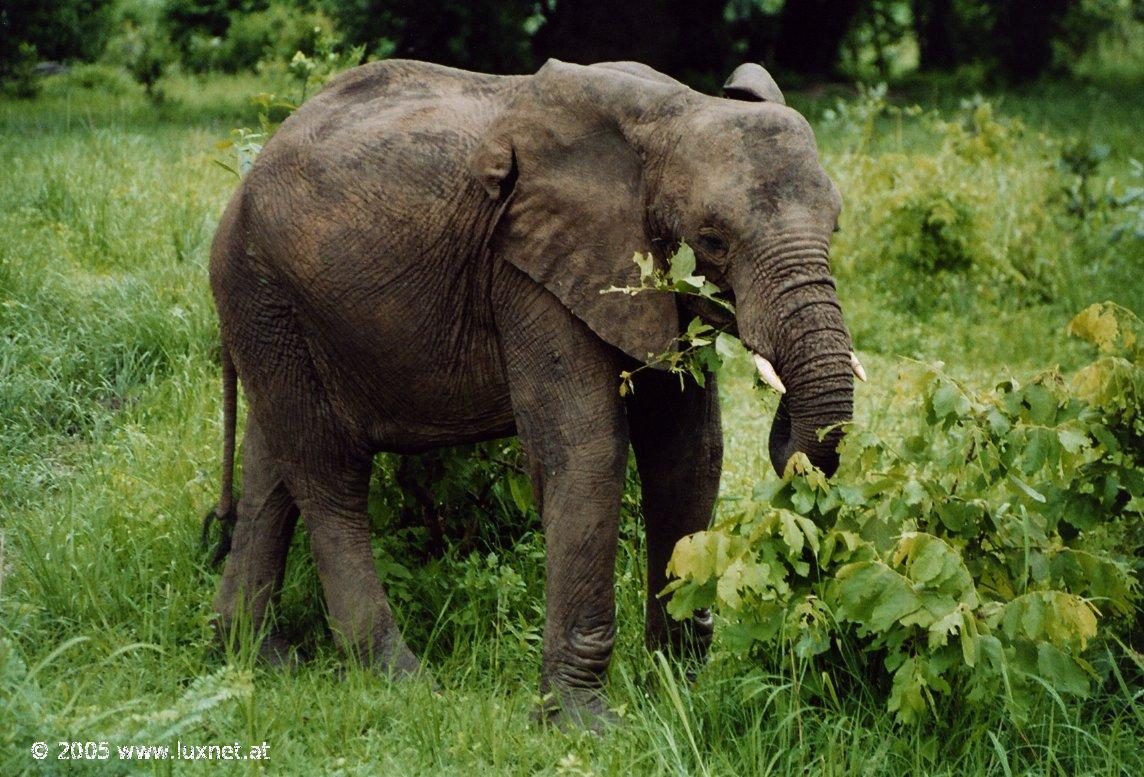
[711,243]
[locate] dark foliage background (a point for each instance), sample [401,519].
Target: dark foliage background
[698,41]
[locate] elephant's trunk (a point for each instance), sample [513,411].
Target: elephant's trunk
[790,316]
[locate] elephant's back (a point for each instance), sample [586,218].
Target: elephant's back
[405,77]
[370,102]
[377,163]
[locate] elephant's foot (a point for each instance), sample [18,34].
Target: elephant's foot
[686,642]
[277,652]
[389,655]
[577,709]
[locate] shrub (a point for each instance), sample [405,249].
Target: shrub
[981,217]
[203,53]
[104,78]
[275,34]
[982,558]
[144,52]
[209,18]
[449,494]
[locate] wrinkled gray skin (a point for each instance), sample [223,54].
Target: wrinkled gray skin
[415,260]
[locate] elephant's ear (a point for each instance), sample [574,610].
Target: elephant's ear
[572,188]
[753,83]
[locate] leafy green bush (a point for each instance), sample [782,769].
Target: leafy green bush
[982,557]
[449,494]
[275,34]
[209,18]
[202,53]
[975,219]
[103,78]
[143,51]
[1103,39]
[308,72]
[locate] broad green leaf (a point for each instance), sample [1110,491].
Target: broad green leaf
[1037,444]
[683,263]
[802,495]
[704,554]
[948,401]
[646,263]
[874,596]
[1072,440]
[743,575]
[1063,672]
[798,464]
[1062,619]
[838,544]
[791,533]
[936,566]
[761,625]
[1097,324]
[969,637]
[689,597]
[1042,404]
[907,697]
[1109,581]
[729,346]
[520,487]
[809,531]
[943,628]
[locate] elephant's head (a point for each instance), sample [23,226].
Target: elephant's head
[591,164]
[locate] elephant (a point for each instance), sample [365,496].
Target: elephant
[416,259]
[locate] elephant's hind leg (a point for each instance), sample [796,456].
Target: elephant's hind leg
[266,517]
[333,501]
[327,470]
[320,455]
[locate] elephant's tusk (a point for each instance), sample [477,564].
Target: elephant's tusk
[768,374]
[859,370]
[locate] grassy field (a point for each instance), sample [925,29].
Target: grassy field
[109,456]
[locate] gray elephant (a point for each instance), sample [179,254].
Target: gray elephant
[416,260]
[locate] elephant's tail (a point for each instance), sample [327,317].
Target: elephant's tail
[224,513]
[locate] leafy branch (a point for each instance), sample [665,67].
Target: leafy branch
[699,349]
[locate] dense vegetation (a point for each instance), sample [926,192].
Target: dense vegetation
[963,597]
[698,41]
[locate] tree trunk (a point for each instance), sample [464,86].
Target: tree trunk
[1024,35]
[935,24]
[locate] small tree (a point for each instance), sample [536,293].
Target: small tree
[22,80]
[145,53]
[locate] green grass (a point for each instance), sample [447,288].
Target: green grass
[109,456]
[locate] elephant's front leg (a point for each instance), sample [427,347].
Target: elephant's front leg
[678,442]
[580,508]
[564,384]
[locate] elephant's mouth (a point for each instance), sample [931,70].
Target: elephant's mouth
[798,432]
